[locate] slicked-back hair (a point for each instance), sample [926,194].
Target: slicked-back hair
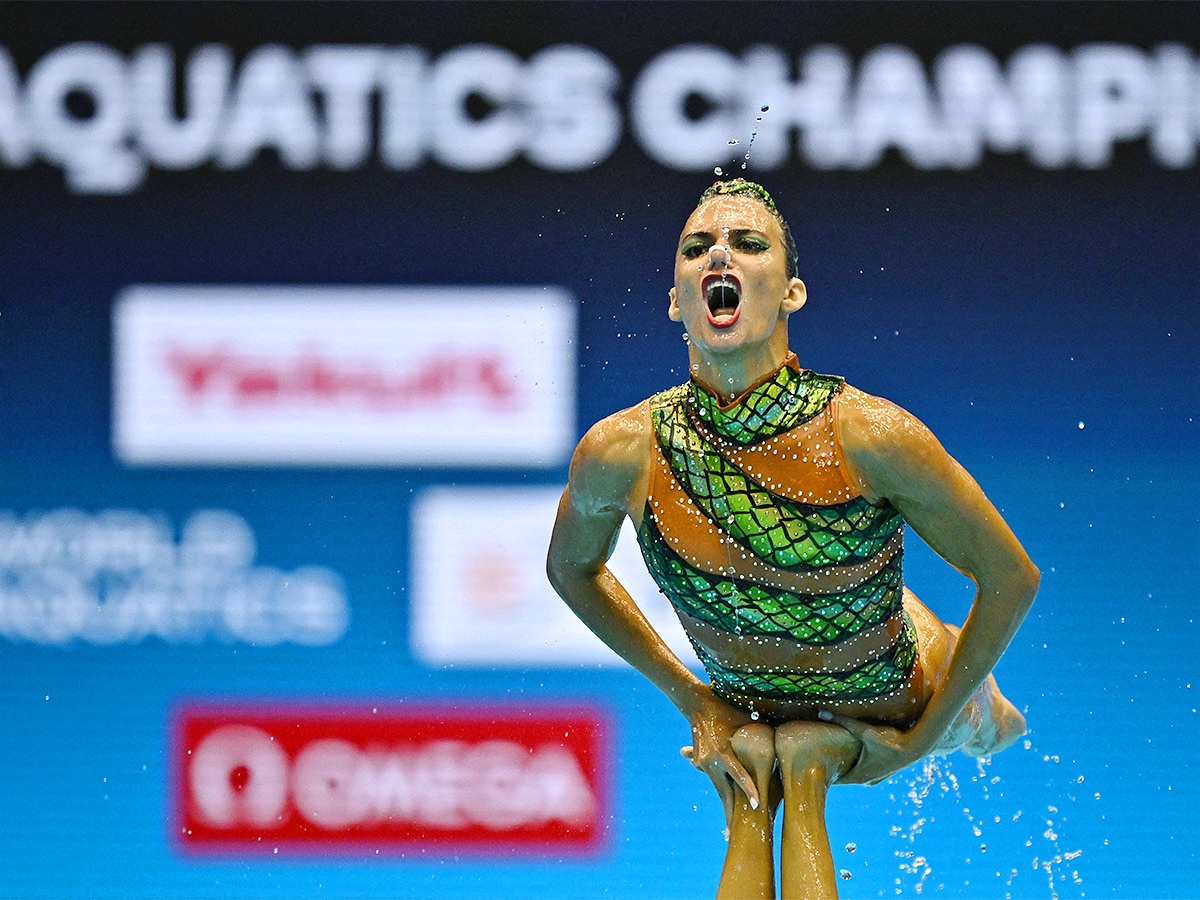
[743,188]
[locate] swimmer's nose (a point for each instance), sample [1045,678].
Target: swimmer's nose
[718,256]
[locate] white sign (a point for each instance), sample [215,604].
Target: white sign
[269,375]
[479,593]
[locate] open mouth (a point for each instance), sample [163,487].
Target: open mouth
[723,295]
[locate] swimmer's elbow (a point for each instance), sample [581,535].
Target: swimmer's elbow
[1011,588]
[565,574]
[1023,585]
[1033,580]
[557,571]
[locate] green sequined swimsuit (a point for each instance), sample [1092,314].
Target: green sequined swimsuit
[752,527]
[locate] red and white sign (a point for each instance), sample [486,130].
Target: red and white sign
[492,778]
[344,375]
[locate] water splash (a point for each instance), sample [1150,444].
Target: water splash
[753,135]
[1000,850]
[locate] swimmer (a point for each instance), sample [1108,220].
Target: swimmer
[770,504]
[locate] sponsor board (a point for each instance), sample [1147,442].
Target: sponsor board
[344,375]
[339,106]
[120,576]
[272,779]
[479,593]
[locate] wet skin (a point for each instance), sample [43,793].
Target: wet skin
[891,458]
[731,356]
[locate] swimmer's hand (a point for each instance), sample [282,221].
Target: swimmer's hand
[885,750]
[713,723]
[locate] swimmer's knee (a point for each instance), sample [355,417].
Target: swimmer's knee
[754,745]
[803,745]
[754,742]
[1004,724]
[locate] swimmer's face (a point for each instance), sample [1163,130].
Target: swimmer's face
[731,283]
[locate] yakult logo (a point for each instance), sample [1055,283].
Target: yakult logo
[344,375]
[497,778]
[311,376]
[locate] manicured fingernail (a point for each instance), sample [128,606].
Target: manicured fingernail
[825,715]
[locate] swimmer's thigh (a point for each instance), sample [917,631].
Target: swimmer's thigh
[989,722]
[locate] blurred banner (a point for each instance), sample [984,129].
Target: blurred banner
[304,307]
[487,779]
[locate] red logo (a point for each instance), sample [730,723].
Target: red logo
[315,377]
[266,779]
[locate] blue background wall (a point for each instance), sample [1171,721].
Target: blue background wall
[1004,305]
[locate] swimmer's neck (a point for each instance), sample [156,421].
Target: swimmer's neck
[729,375]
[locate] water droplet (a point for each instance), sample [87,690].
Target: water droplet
[846,874]
[1081,426]
[717,171]
[850,848]
[754,715]
[764,109]
[733,142]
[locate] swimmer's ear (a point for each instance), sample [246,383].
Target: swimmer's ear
[673,312]
[795,296]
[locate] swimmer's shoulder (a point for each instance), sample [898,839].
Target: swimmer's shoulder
[878,439]
[612,462]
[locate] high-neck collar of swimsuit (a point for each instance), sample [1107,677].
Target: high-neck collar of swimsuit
[780,400]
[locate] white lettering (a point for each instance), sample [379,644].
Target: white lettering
[490,135]
[1040,75]
[575,124]
[90,146]
[270,108]
[978,107]
[1176,114]
[402,129]
[104,118]
[188,141]
[764,82]
[893,108]
[323,782]
[658,106]
[238,775]
[819,107]
[1113,102]
[497,784]
[346,78]
[119,577]
[16,146]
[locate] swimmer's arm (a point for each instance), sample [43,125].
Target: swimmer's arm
[895,457]
[607,476]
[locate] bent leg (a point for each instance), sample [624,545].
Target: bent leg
[812,755]
[749,871]
[989,722]
[995,723]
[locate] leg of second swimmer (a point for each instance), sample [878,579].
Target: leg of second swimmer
[749,871]
[811,757]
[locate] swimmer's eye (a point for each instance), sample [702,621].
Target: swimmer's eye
[693,249]
[753,245]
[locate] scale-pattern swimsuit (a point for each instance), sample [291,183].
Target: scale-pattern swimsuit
[753,527]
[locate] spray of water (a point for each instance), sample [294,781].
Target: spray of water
[938,787]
